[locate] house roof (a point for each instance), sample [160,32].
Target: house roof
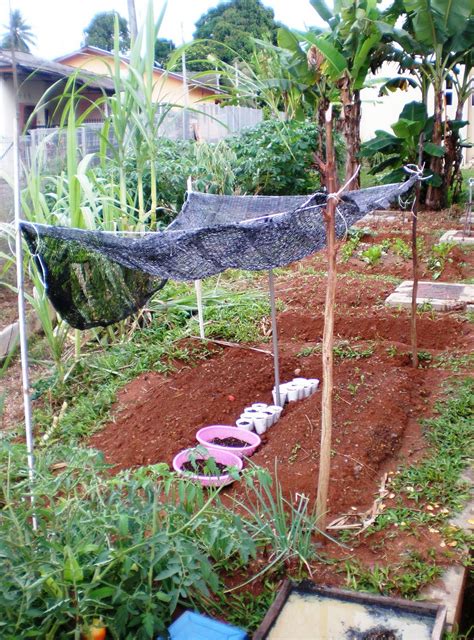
[96,51]
[50,70]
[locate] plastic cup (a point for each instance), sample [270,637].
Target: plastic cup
[270,417]
[260,422]
[244,423]
[259,406]
[283,395]
[294,391]
[276,410]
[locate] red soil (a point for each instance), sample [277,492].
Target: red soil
[377,402]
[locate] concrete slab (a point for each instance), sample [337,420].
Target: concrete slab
[448,591]
[457,236]
[9,337]
[384,215]
[442,296]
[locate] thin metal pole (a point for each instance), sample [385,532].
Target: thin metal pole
[25,378]
[276,363]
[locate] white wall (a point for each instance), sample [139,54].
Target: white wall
[30,92]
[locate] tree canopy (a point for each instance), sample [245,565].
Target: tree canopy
[163,48]
[229,28]
[100,32]
[20,32]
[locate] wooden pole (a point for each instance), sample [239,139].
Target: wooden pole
[328,333]
[414,254]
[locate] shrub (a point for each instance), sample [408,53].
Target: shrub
[276,158]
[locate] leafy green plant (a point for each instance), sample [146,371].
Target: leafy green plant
[401,147]
[401,248]
[438,257]
[355,236]
[276,158]
[305,352]
[373,254]
[345,350]
[128,548]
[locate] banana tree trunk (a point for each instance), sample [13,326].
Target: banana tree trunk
[319,155]
[351,131]
[452,177]
[435,195]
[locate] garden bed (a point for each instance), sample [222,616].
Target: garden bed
[379,398]
[379,401]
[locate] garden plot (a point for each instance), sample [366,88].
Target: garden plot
[379,401]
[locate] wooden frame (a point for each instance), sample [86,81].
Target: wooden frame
[438,612]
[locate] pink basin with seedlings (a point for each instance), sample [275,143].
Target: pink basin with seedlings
[207,434]
[223,456]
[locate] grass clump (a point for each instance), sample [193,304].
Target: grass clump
[405,578]
[430,491]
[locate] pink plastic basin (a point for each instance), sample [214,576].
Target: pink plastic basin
[223,456]
[207,434]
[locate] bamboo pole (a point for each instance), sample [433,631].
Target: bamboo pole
[328,333]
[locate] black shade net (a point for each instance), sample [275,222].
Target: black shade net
[96,278]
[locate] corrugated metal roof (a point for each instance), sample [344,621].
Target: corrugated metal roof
[26,62]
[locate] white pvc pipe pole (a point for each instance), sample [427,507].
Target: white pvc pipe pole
[197,283]
[25,378]
[198,288]
[276,362]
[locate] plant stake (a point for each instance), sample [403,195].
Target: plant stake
[20,282]
[328,334]
[414,249]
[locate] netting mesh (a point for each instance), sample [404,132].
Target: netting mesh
[97,278]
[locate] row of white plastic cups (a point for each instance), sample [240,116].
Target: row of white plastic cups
[259,416]
[297,389]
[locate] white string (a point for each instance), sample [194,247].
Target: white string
[344,186]
[346,233]
[415,170]
[37,257]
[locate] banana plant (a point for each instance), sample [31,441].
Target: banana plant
[437,37]
[399,148]
[346,49]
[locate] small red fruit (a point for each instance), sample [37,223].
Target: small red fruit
[231,398]
[95,631]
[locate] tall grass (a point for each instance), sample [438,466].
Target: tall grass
[82,194]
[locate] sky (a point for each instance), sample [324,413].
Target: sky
[59,24]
